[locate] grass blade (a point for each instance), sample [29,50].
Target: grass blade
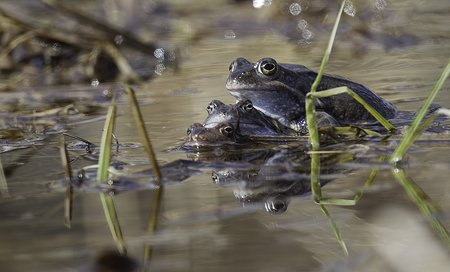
[327,53]
[314,134]
[4,192]
[153,223]
[113,221]
[103,174]
[315,177]
[408,139]
[309,103]
[143,133]
[106,143]
[157,195]
[337,233]
[68,200]
[418,196]
[385,123]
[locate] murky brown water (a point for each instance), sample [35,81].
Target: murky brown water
[202,226]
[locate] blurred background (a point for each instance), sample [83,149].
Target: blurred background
[176,55]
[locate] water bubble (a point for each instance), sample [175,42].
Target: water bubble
[95,82]
[261,3]
[295,9]
[159,68]
[171,55]
[380,4]
[307,34]
[349,8]
[304,43]
[229,34]
[302,24]
[107,93]
[118,39]
[304,4]
[159,53]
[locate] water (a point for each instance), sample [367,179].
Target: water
[203,226]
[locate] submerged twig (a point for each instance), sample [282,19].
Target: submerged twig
[122,63]
[90,146]
[84,41]
[116,141]
[15,42]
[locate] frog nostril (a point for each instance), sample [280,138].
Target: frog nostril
[245,74]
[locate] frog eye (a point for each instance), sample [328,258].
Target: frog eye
[213,105]
[227,130]
[268,67]
[248,106]
[193,128]
[276,205]
[215,177]
[210,108]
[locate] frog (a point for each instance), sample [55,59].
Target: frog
[222,134]
[233,123]
[240,123]
[254,122]
[245,117]
[279,90]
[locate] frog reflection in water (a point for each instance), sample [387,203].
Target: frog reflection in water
[279,90]
[279,177]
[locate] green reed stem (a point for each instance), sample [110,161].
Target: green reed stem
[106,143]
[314,134]
[315,177]
[103,174]
[309,103]
[408,139]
